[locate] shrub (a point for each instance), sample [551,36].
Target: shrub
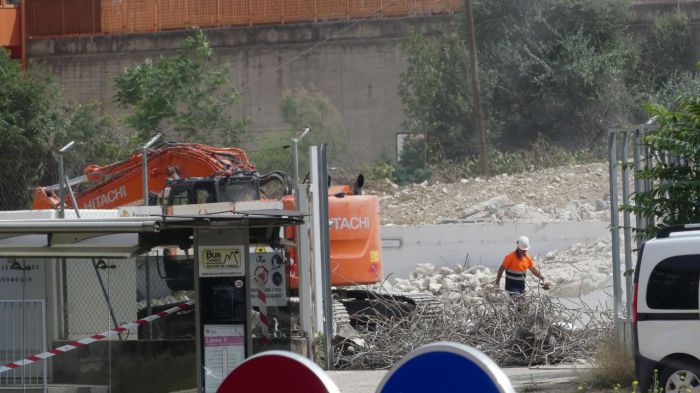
[613,367]
[379,170]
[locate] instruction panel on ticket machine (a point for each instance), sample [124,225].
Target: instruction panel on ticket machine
[267,265]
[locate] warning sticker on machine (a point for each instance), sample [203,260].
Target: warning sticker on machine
[221,261]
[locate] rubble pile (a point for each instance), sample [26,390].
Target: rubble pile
[531,330]
[579,270]
[455,285]
[542,327]
[569,193]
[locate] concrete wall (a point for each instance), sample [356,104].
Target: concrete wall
[485,244]
[357,65]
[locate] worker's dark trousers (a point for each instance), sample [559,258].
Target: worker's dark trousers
[515,286]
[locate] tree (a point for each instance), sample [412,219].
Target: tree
[554,68]
[665,69]
[664,52]
[674,196]
[186,95]
[436,95]
[35,122]
[302,108]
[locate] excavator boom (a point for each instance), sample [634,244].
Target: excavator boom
[119,184]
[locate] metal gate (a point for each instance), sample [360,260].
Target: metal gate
[23,333]
[627,154]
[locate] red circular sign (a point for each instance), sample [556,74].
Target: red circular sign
[278,371]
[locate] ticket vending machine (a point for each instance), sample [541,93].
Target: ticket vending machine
[223,312]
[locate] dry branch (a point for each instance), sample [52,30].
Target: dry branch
[529,330]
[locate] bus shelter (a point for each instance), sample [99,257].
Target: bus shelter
[230,284]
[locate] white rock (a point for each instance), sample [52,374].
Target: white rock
[444,270]
[435,288]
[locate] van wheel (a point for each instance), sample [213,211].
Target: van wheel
[681,377]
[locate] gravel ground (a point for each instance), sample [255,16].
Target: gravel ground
[569,193]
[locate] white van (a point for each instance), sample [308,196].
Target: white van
[665,310]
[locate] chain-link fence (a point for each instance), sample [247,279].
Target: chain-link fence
[101,294]
[108,292]
[86,297]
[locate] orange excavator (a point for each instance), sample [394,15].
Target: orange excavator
[189,173]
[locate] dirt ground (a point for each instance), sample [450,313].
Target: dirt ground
[568,193]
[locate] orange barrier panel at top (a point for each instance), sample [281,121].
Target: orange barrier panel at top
[10,28]
[63,17]
[128,16]
[203,13]
[332,9]
[267,11]
[397,8]
[299,10]
[234,12]
[68,17]
[365,8]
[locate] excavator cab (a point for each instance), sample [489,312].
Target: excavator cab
[214,189]
[246,186]
[240,187]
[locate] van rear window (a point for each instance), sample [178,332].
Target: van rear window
[673,284]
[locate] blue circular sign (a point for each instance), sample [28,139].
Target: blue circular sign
[446,367]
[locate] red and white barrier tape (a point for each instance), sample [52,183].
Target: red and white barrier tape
[262,308]
[89,340]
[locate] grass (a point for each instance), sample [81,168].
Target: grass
[613,369]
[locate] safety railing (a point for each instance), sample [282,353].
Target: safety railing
[48,18]
[23,333]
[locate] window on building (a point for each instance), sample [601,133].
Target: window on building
[673,284]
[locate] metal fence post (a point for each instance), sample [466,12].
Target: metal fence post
[639,224]
[614,225]
[149,310]
[44,345]
[627,222]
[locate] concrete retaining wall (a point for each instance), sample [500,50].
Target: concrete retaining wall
[486,244]
[356,64]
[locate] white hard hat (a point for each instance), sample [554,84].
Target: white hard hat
[523,243]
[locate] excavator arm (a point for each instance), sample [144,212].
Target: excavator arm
[120,183]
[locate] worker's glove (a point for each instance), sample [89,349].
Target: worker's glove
[545,285]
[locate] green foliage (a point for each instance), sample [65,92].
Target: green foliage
[35,122]
[185,94]
[670,92]
[664,52]
[541,154]
[674,196]
[379,170]
[436,94]
[547,67]
[559,70]
[300,109]
[613,367]
[413,166]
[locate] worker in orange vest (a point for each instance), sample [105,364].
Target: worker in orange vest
[516,264]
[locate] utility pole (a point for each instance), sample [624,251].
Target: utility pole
[476,89]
